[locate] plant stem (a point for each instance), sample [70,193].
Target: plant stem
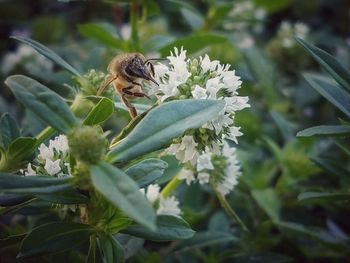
[171,186]
[226,206]
[44,135]
[134,12]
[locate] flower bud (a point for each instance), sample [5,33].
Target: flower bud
[194,70]
[87,144]
[196,79]
[194,62]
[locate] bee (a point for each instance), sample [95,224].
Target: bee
[126,72]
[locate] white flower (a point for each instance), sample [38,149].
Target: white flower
[213,86]
[29,171]
[236,103]
[160,71]
[204,162]
[287,42]
[153,192]
[231,81]
[232,171]
[203,177]
[186,151]
[45,153]
[301,30]
[186,175]
[169,206]
[234,133]
[51,167]
[220,122]
[60,143]
[208,65]
[180,72]
[199,93]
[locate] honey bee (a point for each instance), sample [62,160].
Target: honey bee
[126,72]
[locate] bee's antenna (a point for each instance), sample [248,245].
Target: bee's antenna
[155,59]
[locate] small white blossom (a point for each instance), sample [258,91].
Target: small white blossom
[52,167]
[236,103]
[208,65]
[186,175]
[231,80]
[203,177]
[204,162]
[234,133]
[301,30]
[185,151]
[199,93]
[60,144]
[153,192]
[220,122]
[169,206]
[213,86]
[45,152]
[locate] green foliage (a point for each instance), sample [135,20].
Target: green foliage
[123,192]
[162,124]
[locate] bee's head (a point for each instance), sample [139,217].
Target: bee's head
[139,67]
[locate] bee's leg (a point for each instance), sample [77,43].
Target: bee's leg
[136,94]
[132,109]
[105,84]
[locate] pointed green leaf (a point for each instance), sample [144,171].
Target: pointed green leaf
[21,148]
[10,183]
[46,104]
[331,91]
[323,196]
[330,64]
[168,228]
[9,130]
[330,130]
[99,33]
[111,250]
[54,237]
[119,189]
[162,124]
[48,53]
[100,113]
[68,196]
[268,200]
[147,171]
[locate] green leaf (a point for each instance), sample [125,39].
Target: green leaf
[168,228]
[46,104]
[193,43]
[101,34]
[285,127]
[194,19]
[162,124]
[11,240]
[111,250]
[69,196]
[54,237]
[330,130]
[10,183]
[268,200]
[332,166]
[100,113]
[205,239]
[273,6]
[9,130]
[329,63]
[146,171]
[323,196]
[21,148]
[119,189]
[331,91]
[48,53]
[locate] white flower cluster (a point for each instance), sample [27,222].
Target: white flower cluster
[27,55]
[287,32]
[242,12]
[222,169]
[165,206]
[203,79]
[52,159]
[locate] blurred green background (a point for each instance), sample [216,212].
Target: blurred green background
[257,37]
